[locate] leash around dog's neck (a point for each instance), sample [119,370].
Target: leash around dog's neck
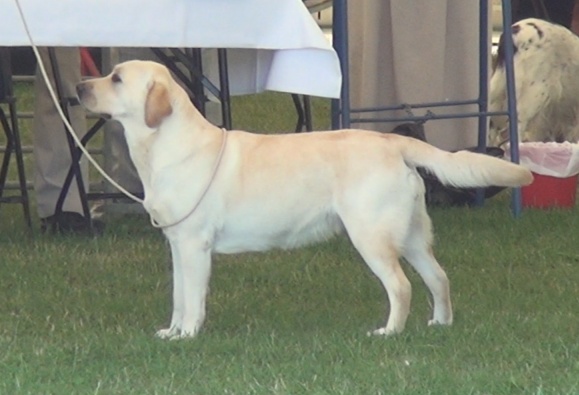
[213,174]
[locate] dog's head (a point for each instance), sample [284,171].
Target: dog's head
[136,90]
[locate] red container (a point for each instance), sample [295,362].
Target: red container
[547,192]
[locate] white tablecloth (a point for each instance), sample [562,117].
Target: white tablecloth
[278,46]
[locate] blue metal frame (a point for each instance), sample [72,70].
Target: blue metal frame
[341,110]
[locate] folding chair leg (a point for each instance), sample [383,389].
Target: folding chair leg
[13,144]
[20,166]
[7,153]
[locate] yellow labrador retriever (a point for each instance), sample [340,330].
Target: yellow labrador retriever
[227,192]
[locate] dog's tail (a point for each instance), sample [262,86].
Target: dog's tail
[464,169]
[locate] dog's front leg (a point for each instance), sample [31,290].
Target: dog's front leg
[196,271]
[192,268]
[178,299]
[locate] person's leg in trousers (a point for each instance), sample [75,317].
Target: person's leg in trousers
[51,152]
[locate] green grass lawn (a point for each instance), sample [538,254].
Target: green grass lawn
[78,315]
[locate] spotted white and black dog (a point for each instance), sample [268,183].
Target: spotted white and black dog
[546,63]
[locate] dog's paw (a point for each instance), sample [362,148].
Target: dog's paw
[182,335]
[167,333]
[434,322]
[176,333]
[382,332]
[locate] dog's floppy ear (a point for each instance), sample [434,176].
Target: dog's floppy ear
[157,106]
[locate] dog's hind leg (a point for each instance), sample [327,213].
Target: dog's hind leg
[417,251]
[383,261]
[379,249]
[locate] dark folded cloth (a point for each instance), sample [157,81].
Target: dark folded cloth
[438,194]
[68,222]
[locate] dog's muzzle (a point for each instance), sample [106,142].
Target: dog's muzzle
[86,97]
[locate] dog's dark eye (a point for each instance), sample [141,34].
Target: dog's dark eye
[116,78]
